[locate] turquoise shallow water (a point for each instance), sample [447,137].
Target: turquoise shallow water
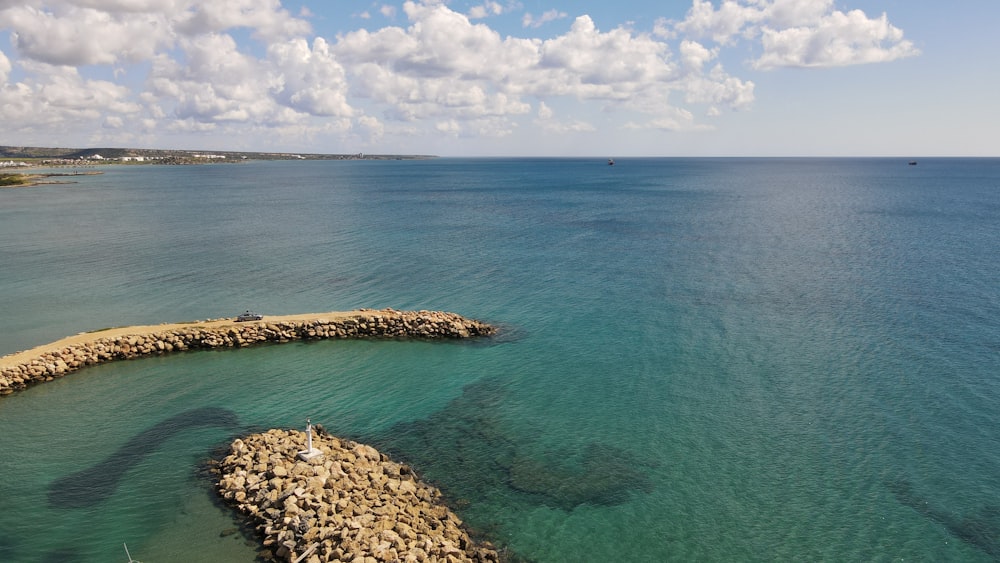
[701,359]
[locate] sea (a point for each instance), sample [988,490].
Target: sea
[698,359]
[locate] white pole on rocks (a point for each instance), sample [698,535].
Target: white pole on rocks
[310,452]
[309,435]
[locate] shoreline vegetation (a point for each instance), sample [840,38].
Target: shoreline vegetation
[49,361]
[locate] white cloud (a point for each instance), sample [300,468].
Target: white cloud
[588,63]
[217,83]
[267,19]
[718,88]
[529,20]
[675,120]
[310,80]
[694,55]
[838,39]
[485,10]
[190,125]
[59,96]
[372,128]
[721,25]
[92,32]
[71,35]
[5,68]
[443,71]
[450,127]
[563,127]
[445,65]
[797,33]
[489,127]
[793,13]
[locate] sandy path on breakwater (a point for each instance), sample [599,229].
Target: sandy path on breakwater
[16,358]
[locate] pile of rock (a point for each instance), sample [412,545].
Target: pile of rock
[349,504]
[386,323]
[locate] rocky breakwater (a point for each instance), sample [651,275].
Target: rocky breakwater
[349,504]
[17,371]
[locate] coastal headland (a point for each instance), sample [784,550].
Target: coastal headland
[8,180]
[49,361]
[348,503]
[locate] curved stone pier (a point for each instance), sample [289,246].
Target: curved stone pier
[350,503]
[47,362]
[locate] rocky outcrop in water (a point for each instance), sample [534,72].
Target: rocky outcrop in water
[386,323]
[352,503]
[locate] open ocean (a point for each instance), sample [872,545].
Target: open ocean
[700,359]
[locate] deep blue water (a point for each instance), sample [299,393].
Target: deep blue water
[701,359]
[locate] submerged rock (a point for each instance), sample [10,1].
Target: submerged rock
[96,483]
[467,450]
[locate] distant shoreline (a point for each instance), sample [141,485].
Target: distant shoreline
[16,162]
[45,156]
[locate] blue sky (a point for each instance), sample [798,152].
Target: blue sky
[505,78]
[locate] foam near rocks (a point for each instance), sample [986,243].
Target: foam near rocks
[351,503]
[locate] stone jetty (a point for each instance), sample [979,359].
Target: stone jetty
[351,503]
[45,363]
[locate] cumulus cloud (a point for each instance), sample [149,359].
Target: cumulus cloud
[59,95]
[528,20]
[309,79]
[445,66]
[91,32]
[590,63]
[721,25]
[485,10]
[798,33]
[839,39]
[187,66]
[217,83]
[547,121]
[73,35]
[372,128]
[694,55]
[267,19]
[4,68]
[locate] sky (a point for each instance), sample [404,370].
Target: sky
[505,77]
